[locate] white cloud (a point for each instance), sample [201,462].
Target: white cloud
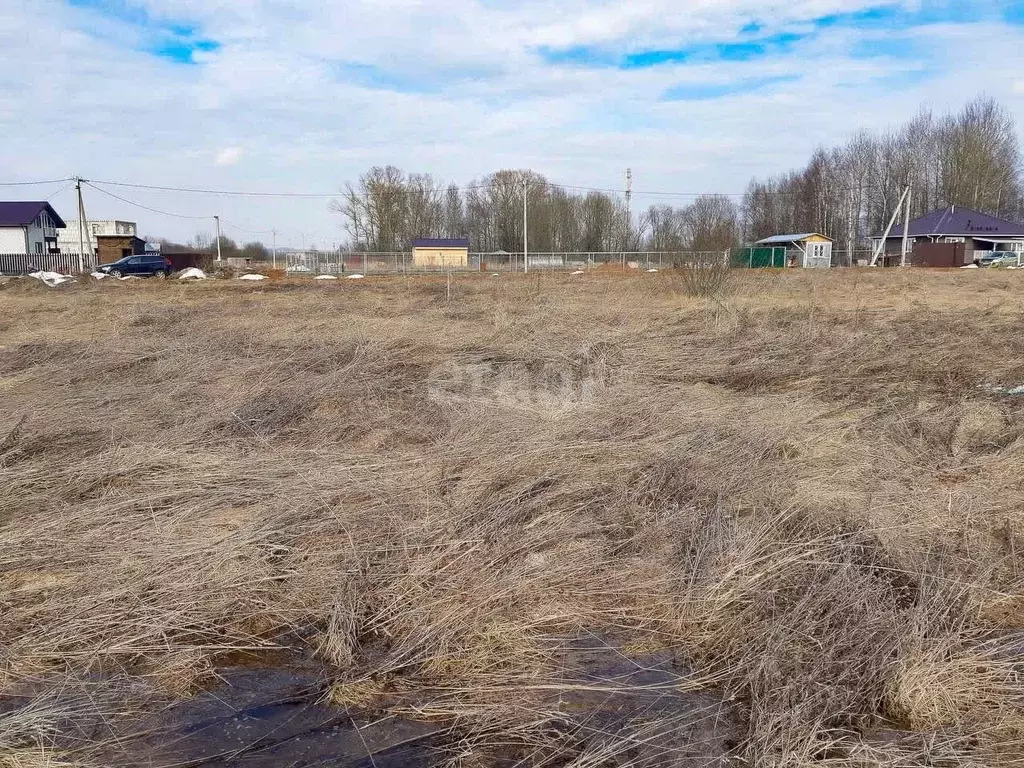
[228,156]
[455,88]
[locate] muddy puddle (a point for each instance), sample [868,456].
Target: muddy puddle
[633,709]
[603,706]
[275,717]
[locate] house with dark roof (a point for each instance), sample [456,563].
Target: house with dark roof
[977,232]
[28,227]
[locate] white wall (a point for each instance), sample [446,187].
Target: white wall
[12,240]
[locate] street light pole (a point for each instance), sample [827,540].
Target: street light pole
[218,236]
[526,246]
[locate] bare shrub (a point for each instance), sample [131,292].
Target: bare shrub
[705,276]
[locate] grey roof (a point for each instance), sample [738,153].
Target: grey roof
[22,213]
[775,239]
[959,222]
[439,242]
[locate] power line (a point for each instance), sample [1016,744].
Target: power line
[63,189]
[31,183]
[467,187]
[144,207]
[225,192]
[247,231]
[550,184]
[635,193]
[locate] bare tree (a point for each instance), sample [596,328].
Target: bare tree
[712,223]
[454,213]
[667,227]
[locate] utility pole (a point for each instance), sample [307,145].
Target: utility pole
[906,226]
[218,236]
[629,206]
[526,247]
[274,249]
[885,236]
[81,225]
[629,216]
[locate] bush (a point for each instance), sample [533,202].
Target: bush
[705,275]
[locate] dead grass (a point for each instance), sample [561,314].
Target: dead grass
[803,489]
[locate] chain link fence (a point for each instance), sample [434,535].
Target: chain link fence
[400,262]
[341,263]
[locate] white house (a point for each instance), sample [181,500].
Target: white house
[68,240]
[28,228]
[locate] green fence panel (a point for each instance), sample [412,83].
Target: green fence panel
[758,258]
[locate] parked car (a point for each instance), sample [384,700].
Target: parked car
[998,259]
[1006,259]
[149,265]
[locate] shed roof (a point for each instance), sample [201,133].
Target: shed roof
[779,239]
[440,242]
[959,222]
[21,213]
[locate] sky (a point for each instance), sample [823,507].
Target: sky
[302,97]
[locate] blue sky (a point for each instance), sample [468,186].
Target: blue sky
[300,96]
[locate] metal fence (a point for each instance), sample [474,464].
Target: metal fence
[337,263]
[24,263]
[758,258]
[340,263]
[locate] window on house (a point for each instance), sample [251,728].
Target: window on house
[955,239]
[39,247]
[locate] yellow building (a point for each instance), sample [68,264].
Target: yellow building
[430,252]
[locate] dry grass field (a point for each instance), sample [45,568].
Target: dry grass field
[545,520]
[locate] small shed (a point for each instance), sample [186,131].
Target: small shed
[440,252]
[808,249]
[110,248]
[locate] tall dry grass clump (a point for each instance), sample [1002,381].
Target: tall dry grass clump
[563,522]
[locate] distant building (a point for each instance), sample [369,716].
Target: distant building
[28,228]
[803,250]
[977,232]
[433,252]
[109,239]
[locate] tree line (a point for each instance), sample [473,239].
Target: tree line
[203,242]
[970,158]
[386,209]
